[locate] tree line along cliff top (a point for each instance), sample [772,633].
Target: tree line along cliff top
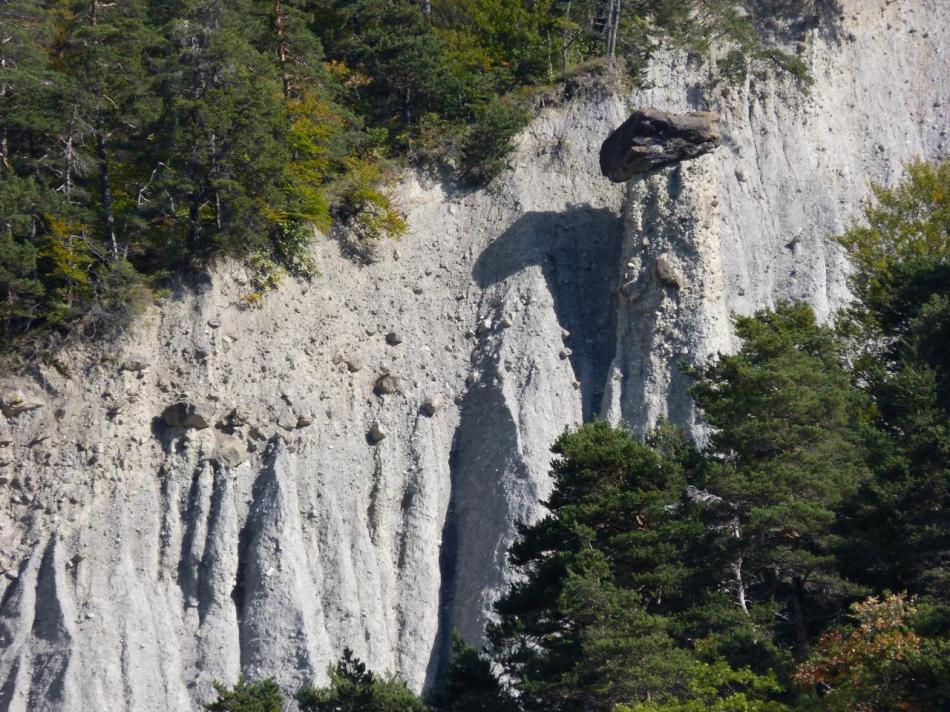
[141,138]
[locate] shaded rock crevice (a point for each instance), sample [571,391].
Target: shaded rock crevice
[578,253]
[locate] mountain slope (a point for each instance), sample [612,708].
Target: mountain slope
[144,560]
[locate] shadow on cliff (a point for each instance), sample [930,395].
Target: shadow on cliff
[578,251]
[488,481]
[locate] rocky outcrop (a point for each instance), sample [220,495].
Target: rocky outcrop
[552,296]
[651,139]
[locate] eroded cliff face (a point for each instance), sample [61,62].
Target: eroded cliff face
[145,560]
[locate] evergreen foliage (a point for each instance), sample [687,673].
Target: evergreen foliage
[898,331]
[263,696]
[470,684]
[606,576]
[353,688]
[786,452]
[143,137]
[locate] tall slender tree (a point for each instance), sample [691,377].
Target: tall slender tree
[104,50]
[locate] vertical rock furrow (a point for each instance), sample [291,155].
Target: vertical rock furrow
[38,636]
[16,625]
[281,631]
[218,653]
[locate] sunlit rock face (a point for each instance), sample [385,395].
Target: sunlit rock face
[262,524]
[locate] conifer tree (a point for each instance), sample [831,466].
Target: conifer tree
[583,630]
[103,52]
[787,452]
[897,532]
[353,688]
[263,696]
[21,292]
[470,685]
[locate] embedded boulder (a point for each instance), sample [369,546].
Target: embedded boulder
[668,273]
[431,405]
[376,433]
[386,384]
[188,415]
[230,451]
[652,139]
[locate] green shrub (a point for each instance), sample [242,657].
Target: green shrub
[263,696]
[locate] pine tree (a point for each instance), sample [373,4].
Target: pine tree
[104,53]
[470,685]
[353,688]
[263,696]
[897,530]
[392,45]
[218,137]
[787,452]
[584,630]
[27,106]
[21,292]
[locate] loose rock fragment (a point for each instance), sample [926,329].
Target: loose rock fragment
[136,364]
[238,417]
[376,433]
[667,272]
[432,404]
[13,403]
[287,419]
[231,451]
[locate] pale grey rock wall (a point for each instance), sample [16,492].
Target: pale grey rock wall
[141,562]
[749,224]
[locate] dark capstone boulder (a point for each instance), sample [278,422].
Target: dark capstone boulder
[651,139]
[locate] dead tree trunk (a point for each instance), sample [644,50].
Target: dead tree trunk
[4,132]
[798,618]
[108,218]
[283,51]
